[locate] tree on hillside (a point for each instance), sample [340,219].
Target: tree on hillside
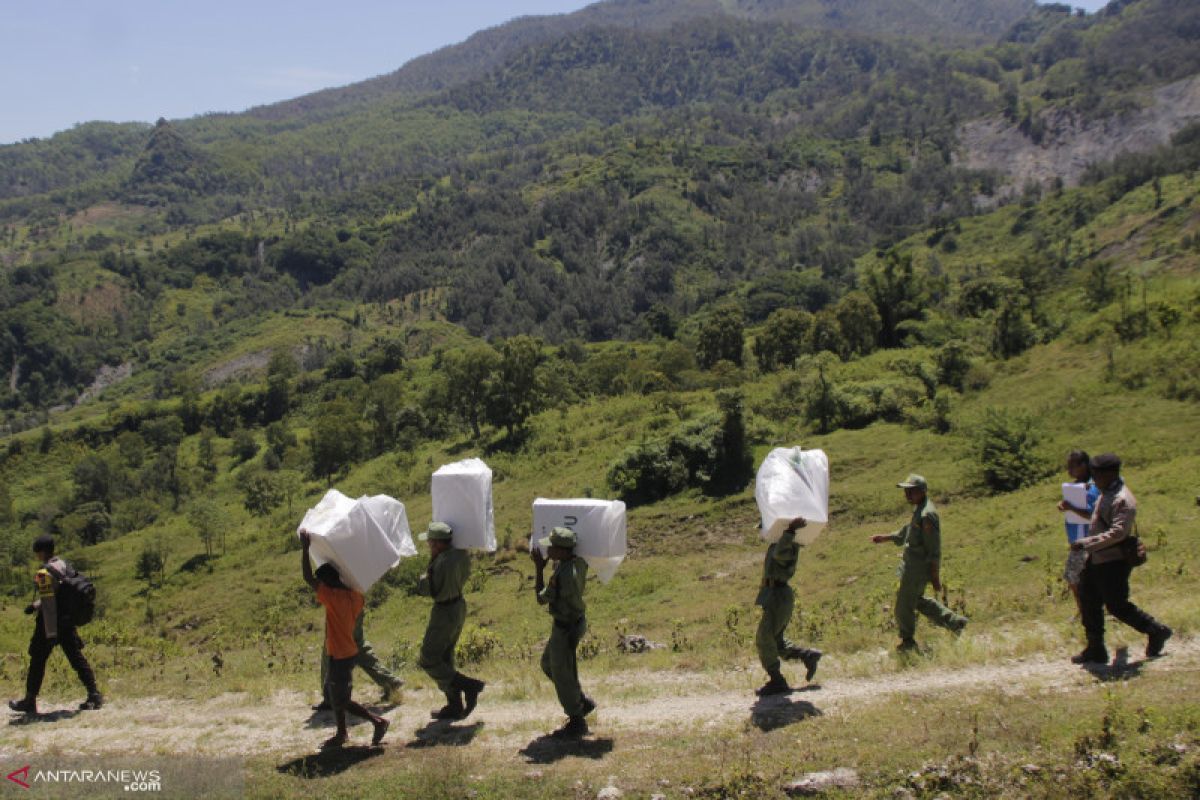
[721,338]
[898,293]
[467,376]
[782,339]
[513,394]
[207,521]
[94,481]
[859,322]
[337,439]
[825,336]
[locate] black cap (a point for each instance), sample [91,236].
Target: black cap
[1106,462]
[43,544]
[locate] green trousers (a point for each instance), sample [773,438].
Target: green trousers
[441,637]
[910,598]
[560,665]
[366,660]
[777,604]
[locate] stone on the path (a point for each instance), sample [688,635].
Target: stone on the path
[610,793]
[813,783]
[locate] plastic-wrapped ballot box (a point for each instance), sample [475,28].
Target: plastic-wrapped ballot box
[599,526]
[793,483]
[363,538]
[462,498]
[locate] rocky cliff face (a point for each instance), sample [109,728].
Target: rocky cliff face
[1071,143]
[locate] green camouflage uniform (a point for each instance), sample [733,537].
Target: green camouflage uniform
[777,601]
[366,660]
[563,595]
[444,582]
[921,539]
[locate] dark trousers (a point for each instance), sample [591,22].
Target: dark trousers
[72,647]
[1106,586]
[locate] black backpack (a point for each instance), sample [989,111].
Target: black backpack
[76,595]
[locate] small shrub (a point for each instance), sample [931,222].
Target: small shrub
[475,645]
[1005,447]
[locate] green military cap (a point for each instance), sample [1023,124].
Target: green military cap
[560,537]
[914,481]
[437,532]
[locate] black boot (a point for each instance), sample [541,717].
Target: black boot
[1092,654]
[93,703]
[470,688]
[1158,638]
[810,660]
[575,728]
[27,705]
[776,685]
[453,708]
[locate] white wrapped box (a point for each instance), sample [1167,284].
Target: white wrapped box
[793,483]
[363,538]
[462,498]
[599,526]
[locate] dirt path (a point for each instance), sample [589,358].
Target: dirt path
[236,725]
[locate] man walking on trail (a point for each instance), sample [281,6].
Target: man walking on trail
[342,606]
[449,569]
[1105,580]
[921,539]
[777,601]
[368,662]
[563,595]
[53,626]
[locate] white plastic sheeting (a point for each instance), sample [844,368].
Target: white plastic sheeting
[599,526]
[793,483]
[363,538]
[462,498]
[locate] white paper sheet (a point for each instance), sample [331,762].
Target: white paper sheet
[1076,495]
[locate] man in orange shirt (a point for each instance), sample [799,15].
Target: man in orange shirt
[342,607]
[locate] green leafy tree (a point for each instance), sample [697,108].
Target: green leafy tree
[825,336]
[1006,450]
[337,439]
[208,522]
[151,564]
[94,481]
[898,293]
[262,493]
[513,390]
[468,375]
[859,322]
[245,446]
[721,337]
[782,339]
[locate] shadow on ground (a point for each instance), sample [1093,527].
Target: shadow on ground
[1121,668]
[777,711]
[325,763]
[324,719]
[548,749]
[439,733]
[49,716]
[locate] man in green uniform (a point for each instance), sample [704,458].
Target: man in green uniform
[368,662]
[921,539]
[777,601]
[449,569]
[564,597]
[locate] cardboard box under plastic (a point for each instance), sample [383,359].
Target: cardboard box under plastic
[598,524]
[363,538]
[462,498]
[793,483]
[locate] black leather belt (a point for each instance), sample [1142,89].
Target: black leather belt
[769,582]
[449,602]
